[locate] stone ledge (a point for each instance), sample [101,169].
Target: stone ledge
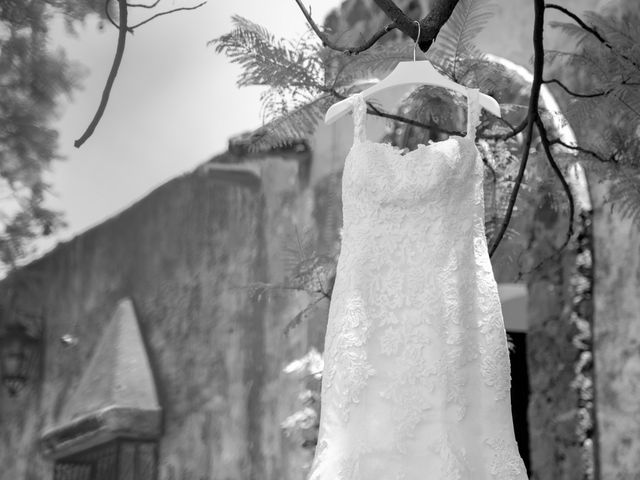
[100,427]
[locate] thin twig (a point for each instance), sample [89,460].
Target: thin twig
[546,145]
[167,13]
[574,94]
[373,110]
[108,14]
[326,41]
[532,114]
[122,36]
[592,31]
[140,5]
[557,141]
[506,136]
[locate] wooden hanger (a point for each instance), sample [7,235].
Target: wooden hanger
[410,73]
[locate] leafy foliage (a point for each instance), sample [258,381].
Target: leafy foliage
[32,79]
[294,99]
[455,42]
[606,67]
[303,80]
[304,423]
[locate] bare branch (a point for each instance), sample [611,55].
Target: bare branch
[574,94]
[430,25]
[557,141]
[134,5]
[532,115]
[167,13]
[326,41]
[122,36]
[108,14]
[373,110]
[598,94]
[546,145]
[123,29]
[506,136]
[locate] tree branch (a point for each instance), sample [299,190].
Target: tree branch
[134,5]
[122,36]
[123,29]
[546,145]
[574,94]
[326,41]
[108,14]
[592,31]
[430,25]
[532,115]
[373,110]
[167,13]
[557,141]
[506,136]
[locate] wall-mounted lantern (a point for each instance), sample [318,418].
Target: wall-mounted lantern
[18,354]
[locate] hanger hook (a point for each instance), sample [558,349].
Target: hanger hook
[416,42]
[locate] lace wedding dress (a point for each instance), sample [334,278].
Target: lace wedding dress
[417,376]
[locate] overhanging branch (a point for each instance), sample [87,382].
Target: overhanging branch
[572,93]
[326,41]
[546,145]
[430,25]
[167,13]
[592,31]
[123,29]
[122,37]
[532,116]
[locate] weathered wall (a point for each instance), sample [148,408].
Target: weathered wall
[617,339]
[183,255]
[555,449]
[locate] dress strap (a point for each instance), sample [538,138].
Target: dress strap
[359,117]
[473,112]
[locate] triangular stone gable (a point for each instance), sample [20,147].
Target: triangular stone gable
[116,395]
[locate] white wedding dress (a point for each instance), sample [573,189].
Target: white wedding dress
[417,376]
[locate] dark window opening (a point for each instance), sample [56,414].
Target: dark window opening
[120,459]
[520,393]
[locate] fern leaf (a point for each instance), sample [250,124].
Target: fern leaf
[456,38]
[266,60]
[377,61]
[624,197]
[574,31]
[623,33]
[291,126]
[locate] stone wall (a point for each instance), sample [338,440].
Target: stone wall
[183,254]
[617,338]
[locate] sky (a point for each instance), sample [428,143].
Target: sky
[174,104]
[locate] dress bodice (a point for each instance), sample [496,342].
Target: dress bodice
[383,186]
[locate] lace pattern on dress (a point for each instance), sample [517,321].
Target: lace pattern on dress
[349,368]
[359,117]
[473,112]
[415,350]
[505,463]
